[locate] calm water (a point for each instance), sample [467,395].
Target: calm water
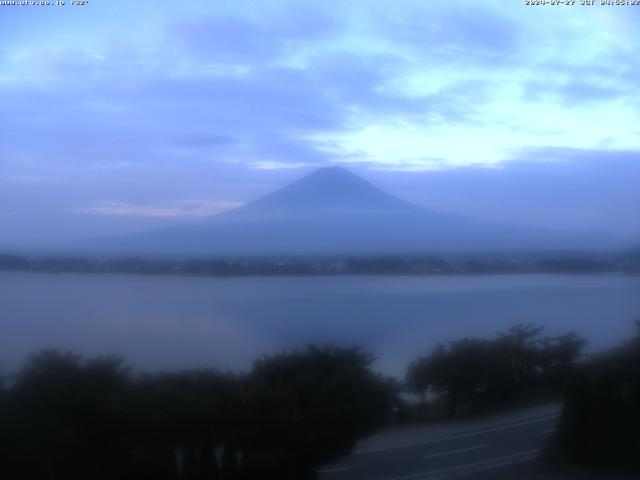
[169,322]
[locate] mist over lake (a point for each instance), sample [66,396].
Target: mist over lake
[159,322]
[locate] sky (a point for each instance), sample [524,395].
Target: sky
[120,116]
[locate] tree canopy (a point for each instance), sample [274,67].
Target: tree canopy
[472,374]
[67,417]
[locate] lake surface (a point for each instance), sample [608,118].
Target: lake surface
[177,322]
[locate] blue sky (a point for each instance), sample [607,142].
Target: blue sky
[120,116]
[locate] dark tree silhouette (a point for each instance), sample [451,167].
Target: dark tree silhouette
[601,415]
[460,372]
[476,374]
[70,418]
[181,419]
[309,407]
[557,359]
[65,418]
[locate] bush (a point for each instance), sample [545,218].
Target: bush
[71,418]
[477,374]
[600,423]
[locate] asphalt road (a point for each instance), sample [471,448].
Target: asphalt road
[503,448]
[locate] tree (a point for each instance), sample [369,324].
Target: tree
[601,415]
[309,407]
[72,418]
[181,418]
[472,374]
[558,359]
[65,417]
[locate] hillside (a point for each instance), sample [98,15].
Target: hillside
[332,211]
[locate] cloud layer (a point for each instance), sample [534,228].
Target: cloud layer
[142,107]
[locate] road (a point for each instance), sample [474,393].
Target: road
[494,448]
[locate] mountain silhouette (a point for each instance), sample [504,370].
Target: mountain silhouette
[330,188]
[332,211]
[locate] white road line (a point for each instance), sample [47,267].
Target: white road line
[547,432]
[452,452]
[497,462]
[332,470]
[457,436]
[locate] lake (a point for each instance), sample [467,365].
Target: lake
[177,322]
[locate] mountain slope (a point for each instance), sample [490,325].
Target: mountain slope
[331,188]
[332,211]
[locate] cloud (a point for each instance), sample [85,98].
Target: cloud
[204,140]
[573,92]
[241,40]
[306,84]
[567,189]
[271,165]
[191,208]
[221,101]
[461,34]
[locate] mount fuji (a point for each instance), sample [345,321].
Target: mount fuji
[333,211]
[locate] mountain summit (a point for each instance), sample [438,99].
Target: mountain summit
[332,211]
[331,188]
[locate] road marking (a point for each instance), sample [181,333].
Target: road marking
[459,435]
[492,462]
[459,450]
[332,470]
[547,432]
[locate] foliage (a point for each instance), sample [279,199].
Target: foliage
[66,417]
[474,374]
[312,405]
[601,415]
